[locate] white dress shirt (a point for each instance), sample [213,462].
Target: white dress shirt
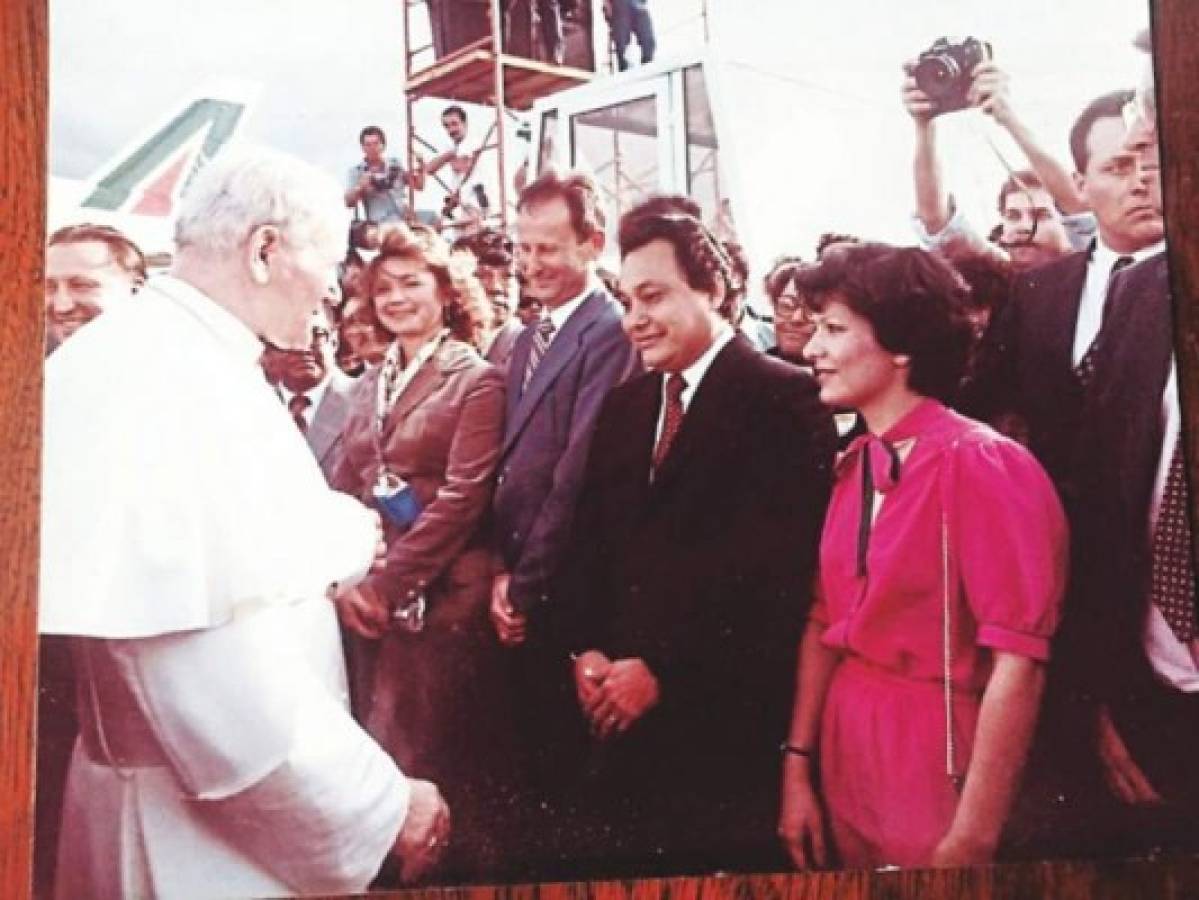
[561,315]
[315,396]
[694,374]
[1094,292]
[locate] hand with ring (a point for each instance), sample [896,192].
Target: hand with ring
[425,834]
[629,691]
[590,669]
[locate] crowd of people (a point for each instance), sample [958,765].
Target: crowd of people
[477,565]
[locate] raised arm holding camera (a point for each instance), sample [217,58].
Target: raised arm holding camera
[949,77]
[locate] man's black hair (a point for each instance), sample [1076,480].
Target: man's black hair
[1109,106]
[372,129]
[454,110]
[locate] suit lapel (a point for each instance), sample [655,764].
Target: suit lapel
[642,420]
[428,379]
[323,434]
[1148,349]
[517,364]
[1060,334]
[330,416]
[1050,308]
[562,350]
[707,415]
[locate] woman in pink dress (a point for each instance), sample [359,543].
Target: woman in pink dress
[942,566]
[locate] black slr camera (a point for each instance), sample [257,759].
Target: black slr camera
[943,71]
[385,181]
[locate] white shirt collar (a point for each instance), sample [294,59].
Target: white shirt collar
[1104,257]
[695,372]
[562,314]
[315,395]
[229,330]
[1095,290]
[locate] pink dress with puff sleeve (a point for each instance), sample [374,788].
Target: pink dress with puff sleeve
[883,733]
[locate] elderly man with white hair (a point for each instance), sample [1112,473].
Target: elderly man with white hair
[189,543]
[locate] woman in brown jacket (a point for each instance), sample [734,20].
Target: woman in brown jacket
[421,445]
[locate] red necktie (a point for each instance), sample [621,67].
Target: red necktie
[675,385]
[298,404]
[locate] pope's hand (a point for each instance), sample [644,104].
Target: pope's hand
[362,611]
[629,690]
[426,831]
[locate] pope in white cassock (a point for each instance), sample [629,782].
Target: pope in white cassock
[188,544]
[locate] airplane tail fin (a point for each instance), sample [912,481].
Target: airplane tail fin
[148,176]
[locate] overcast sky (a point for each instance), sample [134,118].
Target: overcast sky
[326,67]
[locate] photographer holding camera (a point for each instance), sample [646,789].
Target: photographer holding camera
[378,182]
[1043,215]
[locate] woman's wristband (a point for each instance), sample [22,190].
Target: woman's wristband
[795,750]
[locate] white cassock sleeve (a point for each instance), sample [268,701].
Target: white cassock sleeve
[267,752]
[177,490]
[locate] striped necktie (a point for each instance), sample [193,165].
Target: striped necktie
[541,342]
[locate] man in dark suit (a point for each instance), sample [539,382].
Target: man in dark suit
[690,568]
[560,370]
[1034,364]
[1037,353]
[1133,642]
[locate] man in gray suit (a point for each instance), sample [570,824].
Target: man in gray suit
[316,393]
[561,368]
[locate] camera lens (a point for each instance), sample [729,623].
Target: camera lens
[937,75]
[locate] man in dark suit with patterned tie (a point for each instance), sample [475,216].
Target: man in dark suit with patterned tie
[690,569]
[1035,361]
[1136,646]
[559,372]
[1037,353]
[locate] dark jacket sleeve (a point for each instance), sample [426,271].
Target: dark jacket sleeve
[610,360]
[992,387]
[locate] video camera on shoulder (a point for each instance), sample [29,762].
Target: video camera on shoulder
[943,71]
